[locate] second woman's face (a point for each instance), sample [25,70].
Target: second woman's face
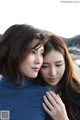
[32,63]
[53,68]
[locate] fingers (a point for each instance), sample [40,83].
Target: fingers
[57,99]
[53,101]
[46,109]
[54,106]
[48,104]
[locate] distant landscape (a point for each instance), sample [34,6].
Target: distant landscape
[0,35]
[74,41]
[74,44]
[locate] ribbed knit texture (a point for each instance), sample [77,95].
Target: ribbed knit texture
[23,102]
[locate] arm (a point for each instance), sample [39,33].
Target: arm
[54,106]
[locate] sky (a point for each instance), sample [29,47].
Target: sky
[61,17]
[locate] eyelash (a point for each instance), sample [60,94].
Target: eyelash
[47,66]
[42,53]
[59,65]
[33,52]
[44,66]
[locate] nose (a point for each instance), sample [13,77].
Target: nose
[52,71]
[39,59]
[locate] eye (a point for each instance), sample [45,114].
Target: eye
[58,65]
[33,51]
[44,66]
[42,53]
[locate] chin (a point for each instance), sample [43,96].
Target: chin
[53,84]
[34,76]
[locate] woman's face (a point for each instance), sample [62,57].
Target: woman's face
[53,68]
[32,63]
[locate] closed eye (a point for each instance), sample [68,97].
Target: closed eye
[44,66]
[33,51]
[58,65]
[42,53]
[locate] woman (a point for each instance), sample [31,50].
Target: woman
[58,73]
[21,56]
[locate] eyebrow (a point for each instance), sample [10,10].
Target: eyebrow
[45,63]
[37,49]
[55,62]
[59,61]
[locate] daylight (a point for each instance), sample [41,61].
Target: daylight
[39,72]
[52,15]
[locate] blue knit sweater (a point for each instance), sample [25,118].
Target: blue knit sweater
[21,102]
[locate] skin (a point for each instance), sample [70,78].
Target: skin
[52,71]
[32,63]
[53,68]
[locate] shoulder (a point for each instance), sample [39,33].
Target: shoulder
[40,88]
[2,79]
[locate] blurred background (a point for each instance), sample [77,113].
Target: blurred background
[58,16]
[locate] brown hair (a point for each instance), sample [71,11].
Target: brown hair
[69,77]
[16,43]
[69,85]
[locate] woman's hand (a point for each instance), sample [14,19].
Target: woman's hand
[54,106]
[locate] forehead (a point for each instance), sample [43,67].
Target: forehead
[53,56]
[34,44]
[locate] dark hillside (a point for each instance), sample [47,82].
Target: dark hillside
[74,41]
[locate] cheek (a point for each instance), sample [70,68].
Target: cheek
[62,70]
[43,73]
[41,60]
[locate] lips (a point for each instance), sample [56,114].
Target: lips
[52,79]
[36,69]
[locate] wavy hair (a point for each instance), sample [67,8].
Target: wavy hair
[16,42]
[69,85]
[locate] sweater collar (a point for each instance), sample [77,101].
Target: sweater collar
[25,82]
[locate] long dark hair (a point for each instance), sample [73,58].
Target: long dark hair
[16,42]
[69,84]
